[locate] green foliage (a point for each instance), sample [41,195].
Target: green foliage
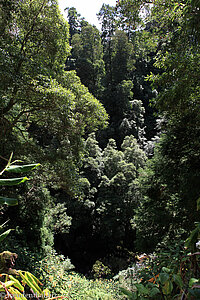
[5,233]
[177,58]
[103,209]
[169,274]
[90,200]
[193,238]
[170,185]
[13,287]
[51,270]
[8,201]
[45,113]
[107,18]
[78,287]
[122,59]
[99,270]
[10,167]
[55,271]
[21,168]
[73,20]
[39,48]
[87,52]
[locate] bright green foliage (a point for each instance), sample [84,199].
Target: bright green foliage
[34,51]
[55,271]
[51,269]
[10,167]
[178,58]
[92,204]
[33,44]
[13,181]
[45,110]
[13,287]
[117,193]
[130,13]
[76,286]
[21,168]
[5,233]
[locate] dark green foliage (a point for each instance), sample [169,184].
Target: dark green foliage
[107,17]
[170,185]
[108,193]
[73,21]
[87,53]
[97,200]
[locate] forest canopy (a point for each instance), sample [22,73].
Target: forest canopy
[113,118]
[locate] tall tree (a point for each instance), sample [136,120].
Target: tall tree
[33,80]
[88,54]
[171,183]
[45,111]
[103,210]
[73,21]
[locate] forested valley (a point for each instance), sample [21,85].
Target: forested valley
[100,151]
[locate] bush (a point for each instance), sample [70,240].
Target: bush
[55,272]
[52,269]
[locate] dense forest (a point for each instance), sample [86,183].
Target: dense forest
[110,122]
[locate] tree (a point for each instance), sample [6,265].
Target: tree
[103,208]
[45,111]
[88,54]
[73,21]
[107,17]
[34,82]
[170,184]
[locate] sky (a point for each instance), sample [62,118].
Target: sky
[86,8]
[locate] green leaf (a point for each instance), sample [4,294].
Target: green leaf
[167,288]
[34,278]
[166,270]
[16,293]
[154,291]
[13,181]
[22,168]
[6,285]
[178,280]
[142,289]
[192,281]
[17,284]
[163,277]
[4,235]
[192,239]
[2,225]
[10,158]
[131,296]
[8,201]
[36,289]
